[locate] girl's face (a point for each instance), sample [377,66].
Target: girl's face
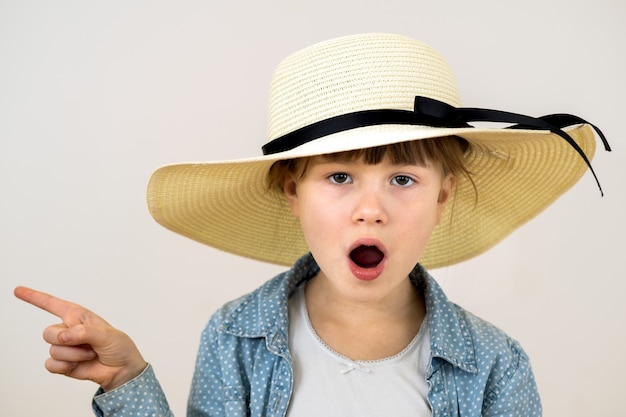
[367,225]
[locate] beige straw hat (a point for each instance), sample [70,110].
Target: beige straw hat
[357,92]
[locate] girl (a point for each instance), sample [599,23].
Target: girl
[372,173]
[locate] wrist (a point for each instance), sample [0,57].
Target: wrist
[125,376]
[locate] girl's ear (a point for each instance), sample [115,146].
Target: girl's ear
[291,194]
[447,187]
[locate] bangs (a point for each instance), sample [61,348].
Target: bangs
[398,153]
[447,151]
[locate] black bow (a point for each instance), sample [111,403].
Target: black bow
[435,113]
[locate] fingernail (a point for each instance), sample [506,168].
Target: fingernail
[64,337]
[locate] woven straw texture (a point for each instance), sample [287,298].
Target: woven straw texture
[516,173]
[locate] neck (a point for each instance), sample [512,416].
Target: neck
[365,328]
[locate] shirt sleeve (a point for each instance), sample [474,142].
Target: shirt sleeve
[515,393]
[141,396]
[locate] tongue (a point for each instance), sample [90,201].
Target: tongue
[366,256]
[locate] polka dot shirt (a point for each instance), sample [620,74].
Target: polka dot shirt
[244,366]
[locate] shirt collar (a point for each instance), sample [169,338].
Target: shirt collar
[250,317]
[450,337]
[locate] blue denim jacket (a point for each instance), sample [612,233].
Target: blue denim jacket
[244,365]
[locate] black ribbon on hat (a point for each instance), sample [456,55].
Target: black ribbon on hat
[434,113]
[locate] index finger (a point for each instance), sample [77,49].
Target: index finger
[44,301]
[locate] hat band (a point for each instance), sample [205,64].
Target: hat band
[433,113]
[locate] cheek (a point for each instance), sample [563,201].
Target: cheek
[320,218]
[315,211]
[321,231]
[419,219]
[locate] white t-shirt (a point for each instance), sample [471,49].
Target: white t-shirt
[329,384]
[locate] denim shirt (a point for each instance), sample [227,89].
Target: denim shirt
[244,367]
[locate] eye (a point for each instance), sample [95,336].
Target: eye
[402,180]
[340,178]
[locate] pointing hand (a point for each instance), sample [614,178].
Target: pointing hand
[84,346]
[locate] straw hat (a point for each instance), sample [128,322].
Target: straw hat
[357,92]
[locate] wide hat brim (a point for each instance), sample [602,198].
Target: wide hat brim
[516,175]
[516,172]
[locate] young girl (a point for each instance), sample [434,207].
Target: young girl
[371,174]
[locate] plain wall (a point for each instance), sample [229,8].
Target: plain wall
[96,95]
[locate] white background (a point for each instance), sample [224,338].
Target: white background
[95,95]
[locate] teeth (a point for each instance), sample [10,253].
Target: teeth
[366,256]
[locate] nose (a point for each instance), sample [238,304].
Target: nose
[370,207]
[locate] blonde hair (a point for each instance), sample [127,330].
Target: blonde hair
[448,151]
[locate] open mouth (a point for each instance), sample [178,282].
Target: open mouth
[366,256]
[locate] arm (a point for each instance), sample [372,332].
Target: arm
[86,347]
[515,393]
[141,393]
